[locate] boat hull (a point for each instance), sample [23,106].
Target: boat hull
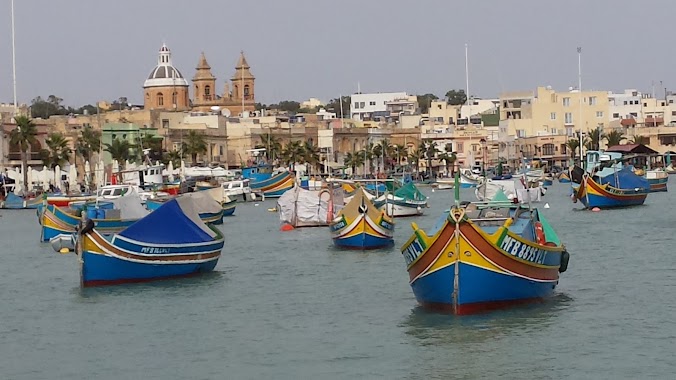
[396,208]
[591,194]
[274,186]
[229,208]
[658,184]
[362,233]
[64,201]
[55,222]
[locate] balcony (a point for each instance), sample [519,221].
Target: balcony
[32,156]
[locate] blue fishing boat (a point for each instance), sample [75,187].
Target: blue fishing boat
[484,256]
[360,225]
[15,202]
[607,182]
[229,207]
[468,179]
[271,183]
[405,200]
[564,177]
[170,242]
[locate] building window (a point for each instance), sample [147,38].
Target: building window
[633,114]
[592,100]
[174,99]
[246,91]
[459,147]
[552,116]
[616,115]
[207,92]
[521,133]
[599,113]
[165,123]
[356,105]
[645,104]
[220,150]
[372,103]
[568,118]
[361,105]
[548,149]
[160,99]
[566,102]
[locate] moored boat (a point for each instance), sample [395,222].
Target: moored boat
[564,177]
[308,208]
[483,257]
[170,242]
[407,200]
[270,183]
[15,202]
[360,225]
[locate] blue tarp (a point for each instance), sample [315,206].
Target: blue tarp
[167,225]
[625,179]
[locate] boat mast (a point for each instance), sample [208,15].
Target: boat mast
[579,88]
[14,61]
[468,101]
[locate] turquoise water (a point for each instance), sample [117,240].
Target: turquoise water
[287,305]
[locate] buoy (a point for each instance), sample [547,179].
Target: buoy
[64,250]
[286,227]
[596,209]
[432,190]
[546,205]
[255,204]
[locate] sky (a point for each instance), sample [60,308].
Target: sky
[89,50]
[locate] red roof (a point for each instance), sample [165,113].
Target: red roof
[631,148]
[627,122]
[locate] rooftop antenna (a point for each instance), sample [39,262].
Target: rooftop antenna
[358,88]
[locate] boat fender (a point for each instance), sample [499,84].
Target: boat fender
[87,226]
[540,234]
[565,257]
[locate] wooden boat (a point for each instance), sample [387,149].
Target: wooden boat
[170,242]
[360,225]
[564,177]
[63,200]
[111,217]
[443,184]
[483,257]
[264,180]
[229,207]
[658,179]
[407,200]
[468,179]
[308,208]
[15,202]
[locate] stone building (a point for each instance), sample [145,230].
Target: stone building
[165,88]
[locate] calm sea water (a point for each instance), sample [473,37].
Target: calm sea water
[286,305]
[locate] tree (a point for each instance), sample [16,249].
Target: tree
[353,160]
[45,108]
[292,153]
[387,150]
[401,152]
[310,154]
[260,106]
[425,101]
[430,150]
[57,152]
[415,158]
[614,138]
[594,139]
[194,144]
[456,97]
[290,106]
[449,160]
[173,156]
[645,140]
[119,150]
[377,153]
[154,143]
[24,136]
[273,148]
[87,143]
[572,145]
[335,105]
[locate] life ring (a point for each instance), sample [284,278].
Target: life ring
[540,234]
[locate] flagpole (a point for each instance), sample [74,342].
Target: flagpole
[14,60]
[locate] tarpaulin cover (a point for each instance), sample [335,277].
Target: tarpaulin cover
[625,179]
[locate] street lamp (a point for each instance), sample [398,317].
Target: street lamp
[483,157]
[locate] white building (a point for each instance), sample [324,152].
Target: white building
[625,105]
[326,115]
[371,106]
[311,103]
[478,106]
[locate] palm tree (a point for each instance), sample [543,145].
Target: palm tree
[614,137]
[88,143]
[292,153]
[595,136]
[24,136]
[430,151]
[57,151]
[175,156]
[415,158]
[119,150]
[194,144]
[152,142]
[449,159]
[353,160]
[368,155]
[310,154]
[273,148]
[572,145]
[400,151]
[387,150]
[377,153]
[640,140]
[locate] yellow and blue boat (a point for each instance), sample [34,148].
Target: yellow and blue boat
[360,225]
[564,177]
[264,180]
[15,202]
[170,242]
[484,257]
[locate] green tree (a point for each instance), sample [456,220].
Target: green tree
[401,152]
[415,157]
[377,153]
[57,152]
[194,144]
[572,145]
[456,97]
[292,153]
[87,143]
[260,106]
[335,105]
[173,156]
[354,160]
[614,137]
[273,148]
[45,108]
[387,150]
[310,155]
[594,141]
[24,136]
[425,101]
[290,106]
[640,140]
[119,150]
[152,142]
[430,150]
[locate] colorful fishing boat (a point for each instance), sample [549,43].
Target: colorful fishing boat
[122,213]
[210,210]
[229,207]
[658,179]
[15,202]
[483,257]
[170,242]
[468,179]
[607,182]
[406,200]
[360,225]
[271,184]
[564,177]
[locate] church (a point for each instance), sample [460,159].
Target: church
[167,89]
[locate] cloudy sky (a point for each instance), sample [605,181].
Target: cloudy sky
[89,50]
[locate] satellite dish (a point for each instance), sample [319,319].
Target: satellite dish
[215,108]
[226,112]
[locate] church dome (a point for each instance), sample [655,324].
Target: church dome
[165,74]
